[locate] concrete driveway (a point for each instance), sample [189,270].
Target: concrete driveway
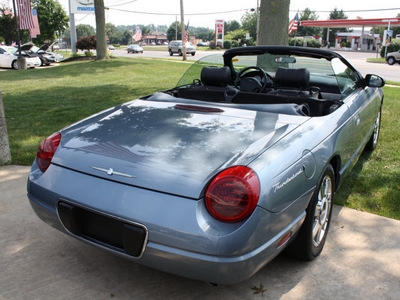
[361,260]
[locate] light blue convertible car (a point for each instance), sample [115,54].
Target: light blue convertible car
[214,178]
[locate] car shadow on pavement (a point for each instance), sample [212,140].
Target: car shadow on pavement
[360,260]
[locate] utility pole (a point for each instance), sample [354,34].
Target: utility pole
[176,28]
[183,32]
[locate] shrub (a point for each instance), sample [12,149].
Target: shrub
[88,53]
[86,43]
[75,55]
[235,44]
[313,43]
[212,45]
[247,42]
[227,44]
[394,46]
[295,42]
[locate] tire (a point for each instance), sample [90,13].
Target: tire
[179,52]
[313,233]
[391,60]
[193,53]
[170,53]
[14,65]
[373,141]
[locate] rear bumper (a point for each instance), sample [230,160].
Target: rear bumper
[185,243]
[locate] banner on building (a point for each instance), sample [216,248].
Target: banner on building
[81,6]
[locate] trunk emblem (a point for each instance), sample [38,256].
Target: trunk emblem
[111,172]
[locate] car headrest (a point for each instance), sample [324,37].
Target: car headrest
[292,78]
[215,76]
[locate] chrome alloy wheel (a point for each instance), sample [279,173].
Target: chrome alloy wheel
[322,211]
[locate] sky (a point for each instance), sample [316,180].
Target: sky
[236,9]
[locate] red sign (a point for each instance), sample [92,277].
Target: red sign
[219,26]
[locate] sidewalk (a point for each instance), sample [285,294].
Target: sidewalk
[361,260]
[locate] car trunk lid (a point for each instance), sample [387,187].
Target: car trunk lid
[169,147]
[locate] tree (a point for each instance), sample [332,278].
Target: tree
[305,15]
[101,44]
[171,32]
[53,20]
[146,29]
[113,33]
[84,30]
[5,155]
[273,22]
[232,26]
[249,23]
[334,15]
[8,31]
[236,34]
[126,37]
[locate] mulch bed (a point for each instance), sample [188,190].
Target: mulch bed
[80,58]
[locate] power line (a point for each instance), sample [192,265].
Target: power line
[172,14]
[119,4]
[238,10]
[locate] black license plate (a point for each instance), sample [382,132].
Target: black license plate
[113,233]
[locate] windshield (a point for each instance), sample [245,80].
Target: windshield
[194,71]
[8,49]
[270,63]
[319,67]
[321,70]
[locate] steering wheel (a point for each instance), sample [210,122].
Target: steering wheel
[252,84]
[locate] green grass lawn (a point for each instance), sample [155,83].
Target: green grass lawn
[374,183]
[377,60]
[41,101]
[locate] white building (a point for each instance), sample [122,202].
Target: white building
[353,40]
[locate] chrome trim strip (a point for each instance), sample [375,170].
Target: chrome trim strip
[111,172]
[145,241]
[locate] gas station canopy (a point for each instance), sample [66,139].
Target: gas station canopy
[341,23]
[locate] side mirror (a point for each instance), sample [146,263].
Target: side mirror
[374,80]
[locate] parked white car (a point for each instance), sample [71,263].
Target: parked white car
[9,60]
[31,60]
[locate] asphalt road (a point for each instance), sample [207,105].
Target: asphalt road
[361,260]
[357,59]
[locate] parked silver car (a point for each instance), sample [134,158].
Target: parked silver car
[176,47]
[134,49]
[393,57]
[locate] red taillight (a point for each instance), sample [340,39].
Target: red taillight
[233,194]
[46,150]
